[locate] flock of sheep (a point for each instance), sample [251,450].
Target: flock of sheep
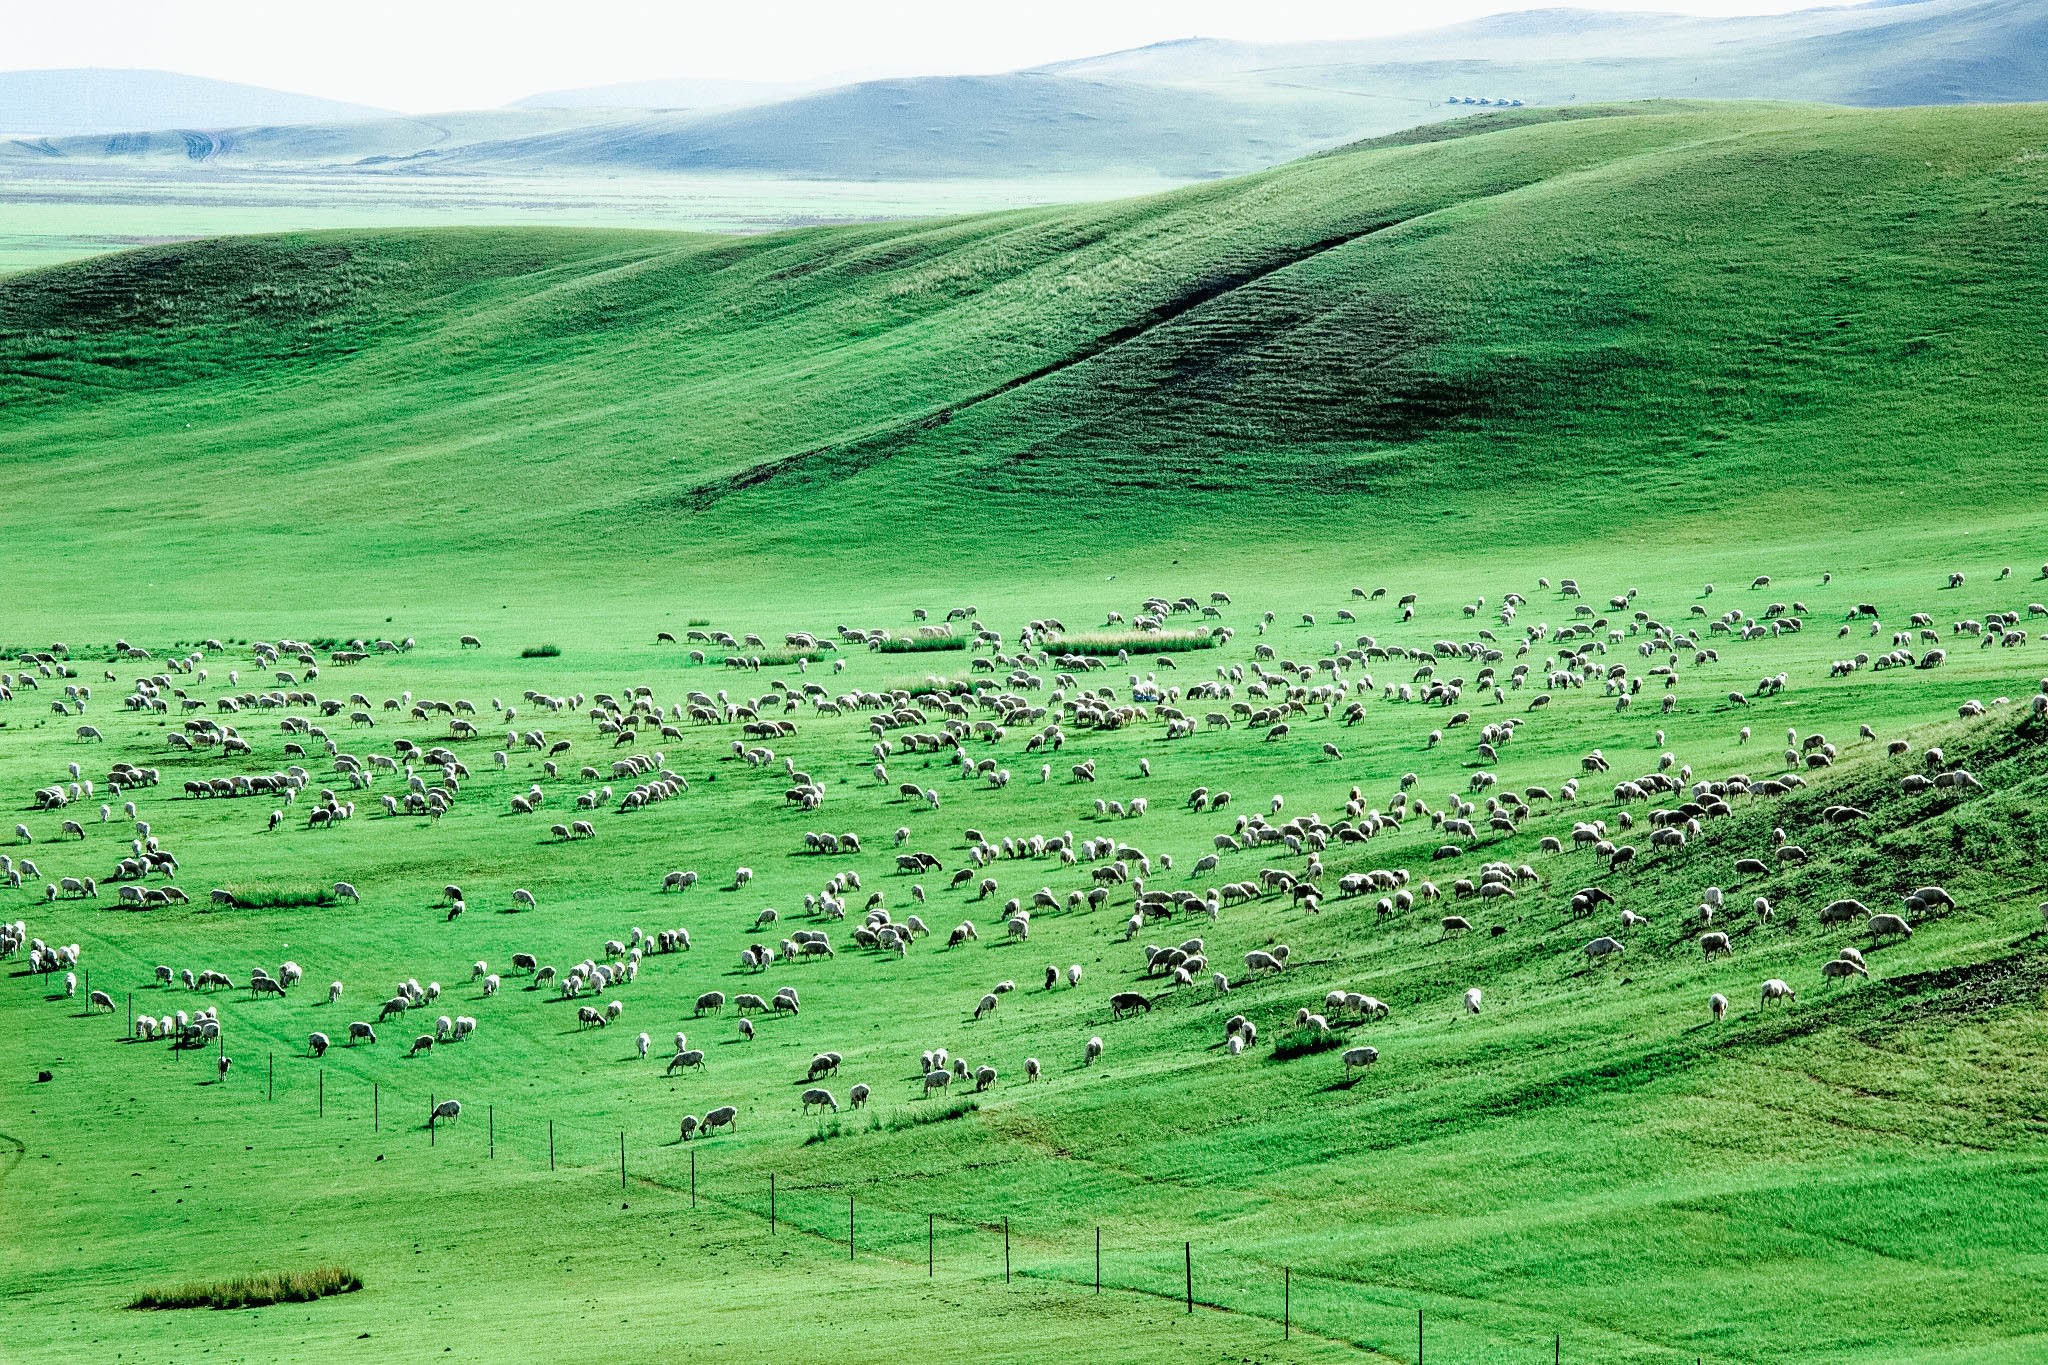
[1468,700]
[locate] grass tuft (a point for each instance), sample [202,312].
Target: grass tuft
[922,644]
[271,896]
[1130,641]
[541,652]
[254,1291]
[1303,1042]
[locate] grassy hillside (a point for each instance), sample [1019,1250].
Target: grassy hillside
[1487,332]
[1662,351]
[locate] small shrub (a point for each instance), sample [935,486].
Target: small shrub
[254,1291]
[1104,642]
[541,652]
[1301,1042]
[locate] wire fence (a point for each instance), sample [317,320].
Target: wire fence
[1112,1257]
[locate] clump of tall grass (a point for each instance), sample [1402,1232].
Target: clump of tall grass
[541,652]
[254,1291]
[1130,641]
[1301,1042]
[271,896]
[768,658]
[922,643]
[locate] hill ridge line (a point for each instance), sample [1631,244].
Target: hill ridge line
[706,495]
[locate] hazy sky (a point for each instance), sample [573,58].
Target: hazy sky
[420,55]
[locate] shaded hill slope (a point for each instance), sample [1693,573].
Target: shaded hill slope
[1660,312]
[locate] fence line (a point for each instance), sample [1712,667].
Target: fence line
[782,1200]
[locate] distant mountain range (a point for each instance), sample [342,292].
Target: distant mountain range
[88,100]
[683,92]
[1183,110]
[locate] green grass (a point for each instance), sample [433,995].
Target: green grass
[254,1291]
[253,895]
[541,652]
[922,644]
[1649,351]
[1113,642]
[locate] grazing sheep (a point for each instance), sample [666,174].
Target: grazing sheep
[1092,1052]
[858,1096]
[938,1078]
[987,1006]
[1127,1002]
[1031,1068]
[1472,999]
[1775,989]
[1599,948]
[642,1042]
[1359,1057]
[1717,1005]
[361,1032]
[1889,926]
[683,1060]
[984,1077]
[747,1029]
[1842,967]
[446,1111]
[818,1098]
[423,1042]
[1714,943]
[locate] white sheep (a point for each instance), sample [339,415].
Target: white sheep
[1472,999]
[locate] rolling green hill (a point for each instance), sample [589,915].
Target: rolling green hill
[1633,308]
[1649,349]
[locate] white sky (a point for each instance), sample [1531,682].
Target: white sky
[425,55]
